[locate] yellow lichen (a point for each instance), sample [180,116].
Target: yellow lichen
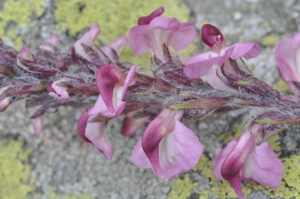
[270,40]
[281,86]
[14,175]
[182,188]
[19,12]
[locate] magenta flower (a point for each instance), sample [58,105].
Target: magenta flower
[94,133]
[160,30]
[147,19]
[287,53]
[112,83]
[88,39]
[167,146]
[199,65]
[57,90]
[242,160]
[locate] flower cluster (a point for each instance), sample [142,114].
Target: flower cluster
[94,79]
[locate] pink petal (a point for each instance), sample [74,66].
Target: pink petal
[37,125]
[285,57]
[107,78]
[140,39]
[87,39]
[183,37]
[179,150]
[264,167]
[162,125]
[213,79]
[115,47]
[138,156]
[53,39]
[147,19]
[164,23]
[236,185]
[25,53]
[81,125]
[94,133]
[295,41]
[236,159]
[245,50]
[57,91]
[101,108]
[132,125]
[4,103]
[161,30]
[200,64]
[128,80]
[218,162]
[36,122]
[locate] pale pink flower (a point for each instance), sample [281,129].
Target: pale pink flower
[57,90]
[199,64]
[4,103]
[37,121]
[131,125]
[94,133]
[242,160]
[88,39]
[161,30]
[112,83]
[53,40]
[287,55]
[167,146]
[24,54]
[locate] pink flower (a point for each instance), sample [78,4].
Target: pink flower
[158,30]
[94,133]
[24,54]
[57,90]
[114,49]
[199,65]
[167,146]
[242,160]
[88,39]
[50,43]
[131,125]
[4,102]
[35,121]
[112,83]
[287,55]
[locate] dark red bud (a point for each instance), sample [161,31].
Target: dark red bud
[211,35]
